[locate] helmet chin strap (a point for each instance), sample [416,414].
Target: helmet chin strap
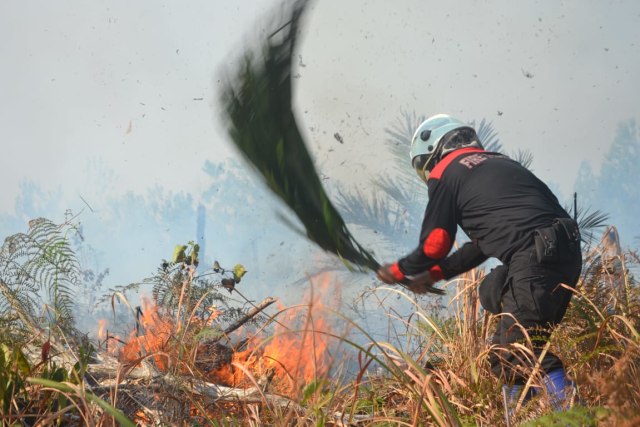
[435,158]
[426,170]
[424,173]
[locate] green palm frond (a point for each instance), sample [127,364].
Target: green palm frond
[591,221]
[488,135]
[257,99]
[399,135]
[524,157]
[395,210]
[375,213]
[407,191]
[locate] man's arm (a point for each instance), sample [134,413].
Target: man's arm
[461,261]
[436,236]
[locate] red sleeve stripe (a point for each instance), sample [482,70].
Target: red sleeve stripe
[436,273]
[395,271]
[437,171]
[437,244]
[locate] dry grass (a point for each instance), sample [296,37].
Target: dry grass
[439,375]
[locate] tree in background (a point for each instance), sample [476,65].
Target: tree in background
[615,189]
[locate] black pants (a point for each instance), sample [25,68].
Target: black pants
[533,297]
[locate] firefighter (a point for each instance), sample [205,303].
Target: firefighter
[508,214]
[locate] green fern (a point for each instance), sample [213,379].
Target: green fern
[201,293]
[38,269]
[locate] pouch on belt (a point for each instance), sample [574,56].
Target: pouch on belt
[491,289]
[557,243]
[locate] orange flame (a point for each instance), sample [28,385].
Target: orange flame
[299,351]
[102,329]
[110,341]
[151,336]
[155,332]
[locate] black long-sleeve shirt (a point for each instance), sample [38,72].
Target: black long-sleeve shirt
[496,201]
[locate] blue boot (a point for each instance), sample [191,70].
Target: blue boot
[559,389]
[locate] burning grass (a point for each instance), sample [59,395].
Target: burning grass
[437,372]
[296,353]
[303,366]
[152,335]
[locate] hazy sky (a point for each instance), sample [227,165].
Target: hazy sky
[123,93]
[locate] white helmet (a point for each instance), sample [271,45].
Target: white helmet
[429,144]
